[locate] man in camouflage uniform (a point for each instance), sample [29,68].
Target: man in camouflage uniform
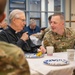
[12,59]
[60,37]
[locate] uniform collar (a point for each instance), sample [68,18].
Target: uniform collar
[57,36]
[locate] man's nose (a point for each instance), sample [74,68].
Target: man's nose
[51,24]
[24,22]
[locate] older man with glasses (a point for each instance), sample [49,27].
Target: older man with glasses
[12,58]
[14,34]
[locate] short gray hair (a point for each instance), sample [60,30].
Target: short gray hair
[15,14]
[32,21]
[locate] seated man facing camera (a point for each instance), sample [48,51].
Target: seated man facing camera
[59,36]
[12,58]
[14,34]
[32,28]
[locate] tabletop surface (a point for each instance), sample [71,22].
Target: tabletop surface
[37,65]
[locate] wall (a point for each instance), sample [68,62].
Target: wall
[67,11]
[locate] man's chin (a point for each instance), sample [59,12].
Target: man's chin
[54,31]
[21,29]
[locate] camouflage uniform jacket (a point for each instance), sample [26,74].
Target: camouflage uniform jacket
[41,35]
[60,43]
[12,60]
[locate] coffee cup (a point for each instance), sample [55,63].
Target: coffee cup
[50,50]
[70,53]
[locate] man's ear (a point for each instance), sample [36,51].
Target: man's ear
[2,17]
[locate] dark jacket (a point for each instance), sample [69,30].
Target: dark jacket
[10,36]
[32,31]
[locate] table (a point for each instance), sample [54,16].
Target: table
[37,67]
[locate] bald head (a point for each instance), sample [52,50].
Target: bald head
[2,5]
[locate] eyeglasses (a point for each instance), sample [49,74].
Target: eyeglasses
[23,20]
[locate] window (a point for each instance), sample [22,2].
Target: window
[57,5]
[17,4]
[37,9]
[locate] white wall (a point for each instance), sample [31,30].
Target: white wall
[67,11]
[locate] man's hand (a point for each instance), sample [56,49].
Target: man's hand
[42,49]
[25,36]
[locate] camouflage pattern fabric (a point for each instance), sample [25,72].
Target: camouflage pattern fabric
[60,43]
[45,31]
[12,60]
[40,36]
